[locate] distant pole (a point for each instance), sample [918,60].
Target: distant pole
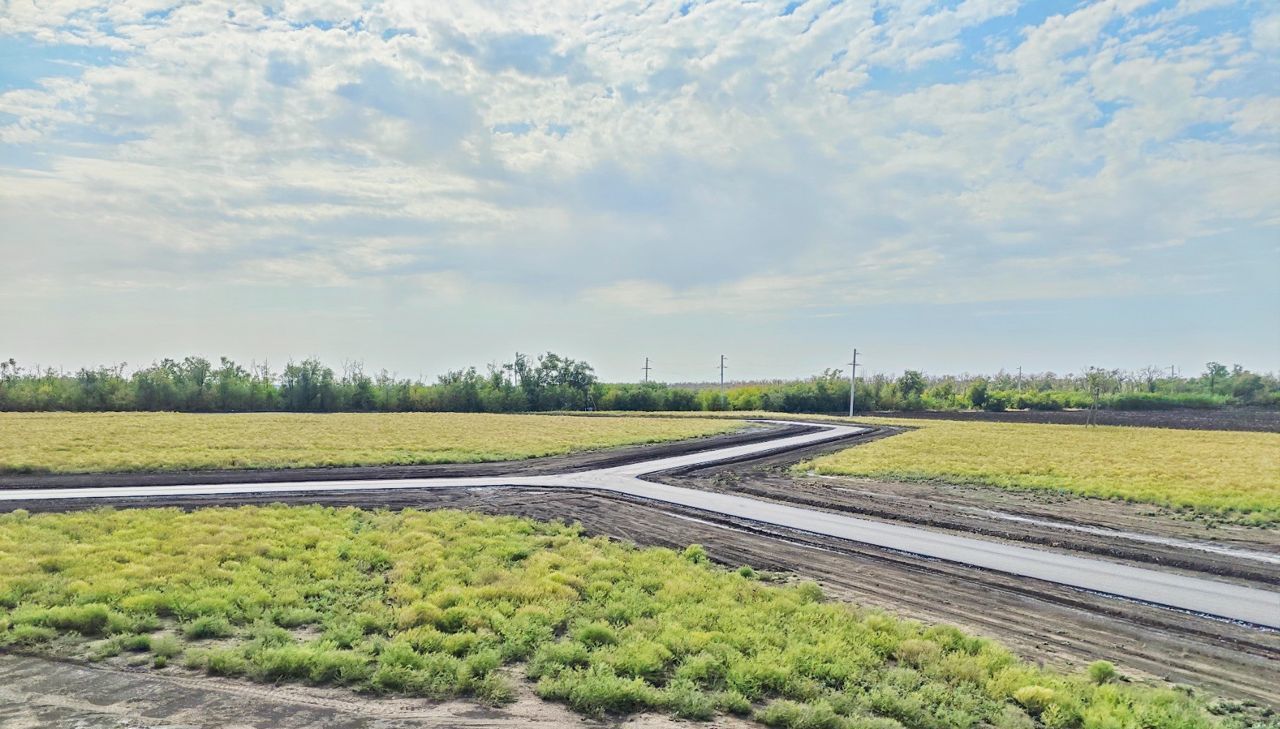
[1171,372]
[853,374]
[722,374]
[646,369]
[1019,378]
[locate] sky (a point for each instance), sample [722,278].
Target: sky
[947,186]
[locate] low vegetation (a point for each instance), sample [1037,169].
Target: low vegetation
[436,604]
[1229,475]
[86,442]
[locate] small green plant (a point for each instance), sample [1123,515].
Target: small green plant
[208,626]
[1035,699]
[1101,672]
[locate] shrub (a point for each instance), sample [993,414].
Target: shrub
[165,646]
[1101,672]
[225,662]
[747,572]
[918,653]
[552,658]
[208,626]
[696,554]
[91,619]
[596,634]
[597,691]
[339,666]
[809,592]
[684,699]
[295,617]
[732,702]
[792,715]
[274,664]
[1035,699]
[27,635]
[495,690]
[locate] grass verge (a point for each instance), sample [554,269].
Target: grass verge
[435,603]
[94,442]
[1222,474]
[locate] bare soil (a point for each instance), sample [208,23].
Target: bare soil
[1261,419]
[38,693]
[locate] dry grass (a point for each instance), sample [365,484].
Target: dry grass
[1228,474]
[91,442]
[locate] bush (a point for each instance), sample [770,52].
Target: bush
[595,634]
[809,592]
[339,666]
[684,699]
[792,715]
[1101,672]
[27,635]
[696,554]
[208,626]
[495,690]
[165,646]
[918,653]
[597,691]
[1035,699]
[91,619]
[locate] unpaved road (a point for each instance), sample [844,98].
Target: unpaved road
[1215,598]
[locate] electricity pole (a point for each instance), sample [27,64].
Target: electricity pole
[1019,378]
[722,374]
[646,369]
[853,374]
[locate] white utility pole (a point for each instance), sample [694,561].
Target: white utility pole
[853,374]
[722,374]
[646,369]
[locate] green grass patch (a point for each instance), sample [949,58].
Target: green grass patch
[95,442]
[433,604]
[1222,474]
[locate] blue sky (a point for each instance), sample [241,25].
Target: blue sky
[950,186]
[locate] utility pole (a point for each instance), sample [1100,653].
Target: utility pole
[646,369]
[722,374]
[1019,378]
[1171,375]
[853,374]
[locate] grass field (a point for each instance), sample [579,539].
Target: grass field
[1230,475]
[435,603]
[88,442]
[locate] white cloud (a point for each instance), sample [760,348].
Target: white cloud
[731,159]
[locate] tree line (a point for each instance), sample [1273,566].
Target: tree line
[551,382]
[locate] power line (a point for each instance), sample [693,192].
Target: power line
[853,374]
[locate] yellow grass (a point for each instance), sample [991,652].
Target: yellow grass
[90,442]
[1231,474]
